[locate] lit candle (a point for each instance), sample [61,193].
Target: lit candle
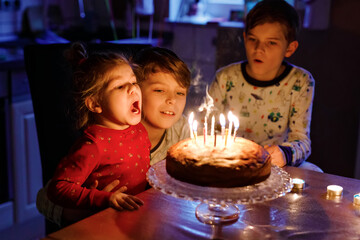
[334,190]
[215,139]
[222,123]
[205,130]
[226,136]
[298,183]
[230,117]
[357,199]
[236,126]
[212,126]
[194,126]
[190,120]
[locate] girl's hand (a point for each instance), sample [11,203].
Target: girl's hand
[121,201]
[109,187]
[277,156]
[70,216]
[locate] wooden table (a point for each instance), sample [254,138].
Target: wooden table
[308,214]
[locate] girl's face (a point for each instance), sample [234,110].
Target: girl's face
[266,47]
[164,100]
[120,104]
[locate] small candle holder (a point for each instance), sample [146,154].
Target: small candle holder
[356,200]
[298,183]
[334,190]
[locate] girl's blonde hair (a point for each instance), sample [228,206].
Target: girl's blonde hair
[90,78]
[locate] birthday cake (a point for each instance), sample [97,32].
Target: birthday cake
[240,162]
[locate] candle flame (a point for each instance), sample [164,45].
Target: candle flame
[230,116]
[236,122]
[222,120]
[195,125]
[191,118]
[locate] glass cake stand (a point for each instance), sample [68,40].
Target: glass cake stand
[218,204]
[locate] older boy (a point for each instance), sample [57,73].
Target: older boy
[272,98]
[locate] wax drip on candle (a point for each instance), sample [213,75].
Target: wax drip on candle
[190,120]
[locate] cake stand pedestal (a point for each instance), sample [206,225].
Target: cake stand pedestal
[214,213]
[218,204]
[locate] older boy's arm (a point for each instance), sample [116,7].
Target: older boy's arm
[299,142]
[51,211]
[65,216]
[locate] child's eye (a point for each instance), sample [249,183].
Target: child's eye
[180,93]
[251,39]
[272,43]
[158,90]
[120,87]
[134,83]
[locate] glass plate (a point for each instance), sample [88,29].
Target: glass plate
[276,185]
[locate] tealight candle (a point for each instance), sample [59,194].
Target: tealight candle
[298,183]
[357,199]
[334,190]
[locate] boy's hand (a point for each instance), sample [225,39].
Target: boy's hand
[121,201]
[277,155]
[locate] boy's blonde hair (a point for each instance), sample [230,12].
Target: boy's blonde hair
[155,59]
[90,78]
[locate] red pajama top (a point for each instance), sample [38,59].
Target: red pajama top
[105,155]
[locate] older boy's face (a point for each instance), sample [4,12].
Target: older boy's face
[266,48]
[163,100]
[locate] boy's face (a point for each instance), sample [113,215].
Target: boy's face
[120,104]
[266,47]
[163,100]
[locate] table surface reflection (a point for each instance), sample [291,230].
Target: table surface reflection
[305,214]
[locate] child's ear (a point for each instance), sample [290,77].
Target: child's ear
[93,105]
[291,48]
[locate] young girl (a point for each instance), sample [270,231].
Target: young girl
[164,80]
[114,145]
